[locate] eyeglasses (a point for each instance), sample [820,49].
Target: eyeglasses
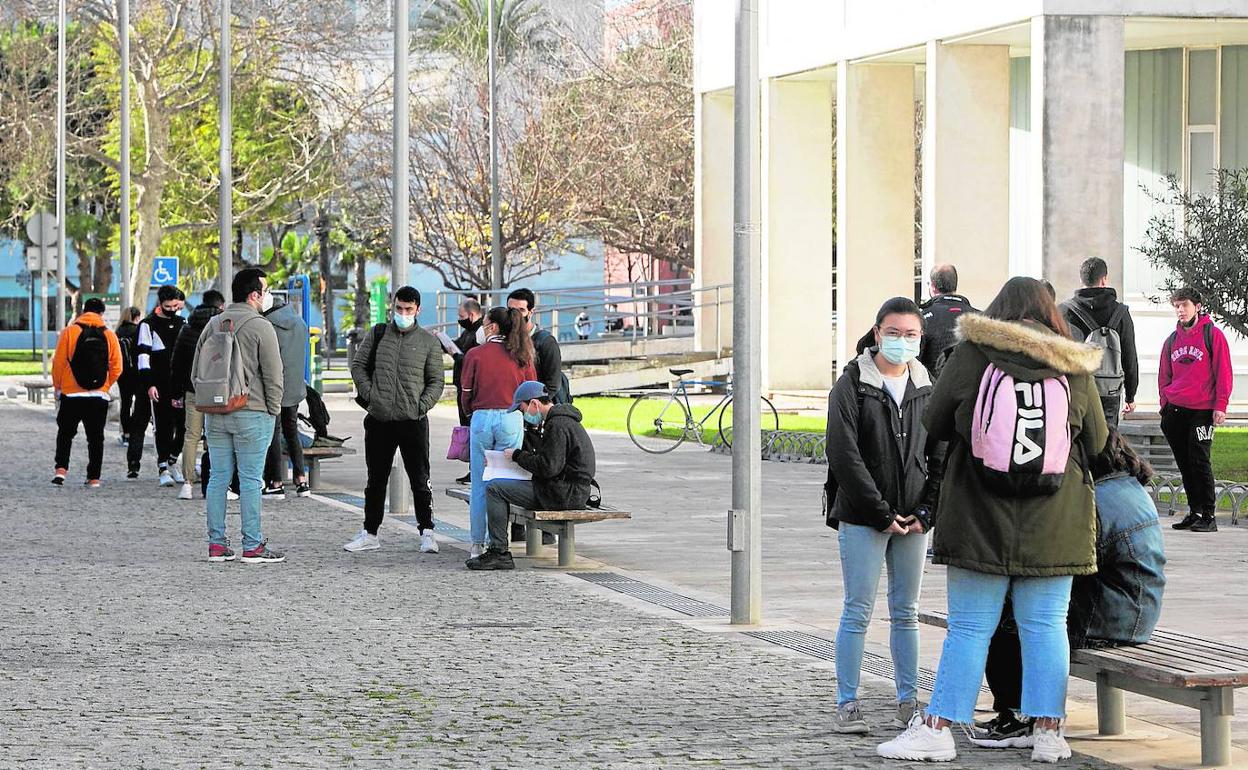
[897,334]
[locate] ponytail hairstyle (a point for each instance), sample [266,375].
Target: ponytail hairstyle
[512,327]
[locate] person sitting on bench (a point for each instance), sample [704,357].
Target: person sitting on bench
[1117,606]
[560,456]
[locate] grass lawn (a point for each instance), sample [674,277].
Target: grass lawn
[19,363]
[611,414]
[1230,454]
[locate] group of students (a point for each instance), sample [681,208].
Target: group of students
[997,438]
[511,395]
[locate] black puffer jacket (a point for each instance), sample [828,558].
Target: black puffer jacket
[184,350]
[879,453]
[561,458]
[940,324]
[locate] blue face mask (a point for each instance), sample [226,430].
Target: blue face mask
[899,350]
[404,321]
[533,419]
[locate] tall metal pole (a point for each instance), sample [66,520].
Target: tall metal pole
[496,226]
[123,246]
[225,204]
[745,520]
[400,220]
[61,88]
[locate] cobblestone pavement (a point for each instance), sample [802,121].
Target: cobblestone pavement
[120,647]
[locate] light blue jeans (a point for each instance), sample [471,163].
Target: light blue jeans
[975,602]
[865,551]
[490,429]
[239,439]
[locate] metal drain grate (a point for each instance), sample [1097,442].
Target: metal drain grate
[444,528]
[685,605]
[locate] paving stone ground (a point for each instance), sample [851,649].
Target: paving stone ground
[120,647]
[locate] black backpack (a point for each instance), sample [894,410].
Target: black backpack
[318,415]
[89,363]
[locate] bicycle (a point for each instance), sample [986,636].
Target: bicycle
[659,422]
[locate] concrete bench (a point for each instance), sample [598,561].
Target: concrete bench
[561,524]
[313,456]
[1175,667]
[36,389]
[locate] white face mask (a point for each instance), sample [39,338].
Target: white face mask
[481,335]
[266,302]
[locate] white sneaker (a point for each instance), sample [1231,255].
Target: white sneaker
[920,743]
[428,543]
[476,550]
[166,479]
[186,493]
[231,494]
[363,542]
[1049,745]
[176,472]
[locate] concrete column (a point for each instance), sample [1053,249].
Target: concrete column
[966,165]
[799,338]
[1077,95]
[874,194]
[712,202]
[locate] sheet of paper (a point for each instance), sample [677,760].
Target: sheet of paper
[447,343]
[499,467]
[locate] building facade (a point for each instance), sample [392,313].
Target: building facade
[1009,137]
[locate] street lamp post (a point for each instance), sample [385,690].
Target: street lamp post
[496,227]
[745,519]
[61,88]
[225,269]
[123,245]
[400,216]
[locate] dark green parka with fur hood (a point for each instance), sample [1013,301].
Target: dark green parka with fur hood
[1019,536]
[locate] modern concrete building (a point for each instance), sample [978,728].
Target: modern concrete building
[1036,127]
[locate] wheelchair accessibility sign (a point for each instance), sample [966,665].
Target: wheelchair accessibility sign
[165,271]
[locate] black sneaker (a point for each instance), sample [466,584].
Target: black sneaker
[1187,521]
[303,490]
[131,475]
[1206,524]
[273,493]
[466,479]
[1005,731]
[491,559]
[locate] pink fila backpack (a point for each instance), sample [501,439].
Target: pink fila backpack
[1020,434]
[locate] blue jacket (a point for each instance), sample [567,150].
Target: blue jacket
[1120,604]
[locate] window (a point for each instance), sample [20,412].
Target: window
[14,314]
[1201,119]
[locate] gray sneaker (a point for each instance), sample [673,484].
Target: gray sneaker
[905,710]
[849,719]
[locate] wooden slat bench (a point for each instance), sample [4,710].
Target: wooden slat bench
[1175,667]
[36,389]
[561,524]
[313,455]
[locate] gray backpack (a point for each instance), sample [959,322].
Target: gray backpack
[1110,376]
[220,377]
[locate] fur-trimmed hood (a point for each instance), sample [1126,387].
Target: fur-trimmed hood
[1017,342]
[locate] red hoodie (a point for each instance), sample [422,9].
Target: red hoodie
[1191,376]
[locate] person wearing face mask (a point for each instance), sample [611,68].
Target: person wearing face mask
[560,455]
[158,335]
[398,375]
[239,440]
[492,372]
[882,501]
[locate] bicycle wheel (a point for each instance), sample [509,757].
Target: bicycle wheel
[769,422]
[656,422]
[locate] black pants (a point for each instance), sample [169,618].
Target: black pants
[465,419]
[1113,410]
[170,429]
[1004,669]
[411,439]
[1190,435]
[92,412]
[129,395]
[285,426]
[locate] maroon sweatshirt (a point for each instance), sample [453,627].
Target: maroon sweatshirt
[490,377]
[1191,376]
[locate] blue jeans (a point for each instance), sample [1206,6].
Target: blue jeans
[490,429]
[975,601]
[864,553]
[239,440]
